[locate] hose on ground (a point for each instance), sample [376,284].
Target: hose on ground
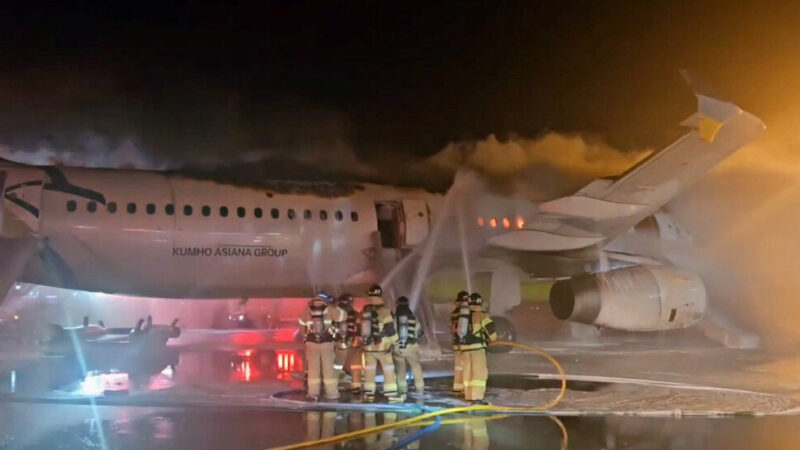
[461,409]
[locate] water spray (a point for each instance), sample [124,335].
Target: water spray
[462,235]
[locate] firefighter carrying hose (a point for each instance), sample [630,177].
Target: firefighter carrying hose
[318,322]
[378,335]
[475,331]
[406,350]
[462,301]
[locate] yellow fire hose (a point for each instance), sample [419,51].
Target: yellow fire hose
[415,421]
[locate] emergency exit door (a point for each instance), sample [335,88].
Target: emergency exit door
[402,224]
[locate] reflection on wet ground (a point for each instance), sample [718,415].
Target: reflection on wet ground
[156,370]
[35,426]
[225,398]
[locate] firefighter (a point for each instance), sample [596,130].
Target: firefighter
[317,321]
[406,350]
[378,335]
[348,350]
[475,434]
[475,332]
[462,301]
[384,439]
[339,313]
[321,425]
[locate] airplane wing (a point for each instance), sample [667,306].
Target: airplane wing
[607,207]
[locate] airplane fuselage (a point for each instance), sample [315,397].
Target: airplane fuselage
[155,234]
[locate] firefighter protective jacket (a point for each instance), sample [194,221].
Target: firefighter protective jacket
[351,325]
[481,330]
[454,325]
[318,322]
[414,330]
[385,333]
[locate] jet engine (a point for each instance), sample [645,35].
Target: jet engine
[641,298]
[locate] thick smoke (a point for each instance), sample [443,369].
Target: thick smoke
[744,217]
[547,167]
[92,150]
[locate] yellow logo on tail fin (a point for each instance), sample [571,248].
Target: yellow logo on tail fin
[708,128]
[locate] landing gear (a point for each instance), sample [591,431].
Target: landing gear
[505,332]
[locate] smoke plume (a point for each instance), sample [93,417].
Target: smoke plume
[543,168]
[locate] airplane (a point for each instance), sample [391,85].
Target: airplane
[168,234]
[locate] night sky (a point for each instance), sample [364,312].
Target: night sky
[385,79]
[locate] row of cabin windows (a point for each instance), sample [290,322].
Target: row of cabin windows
[205,210]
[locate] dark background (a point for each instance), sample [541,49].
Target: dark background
[384,79]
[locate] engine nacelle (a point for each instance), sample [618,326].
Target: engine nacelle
[642,298]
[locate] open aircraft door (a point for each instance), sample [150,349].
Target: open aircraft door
[402,224]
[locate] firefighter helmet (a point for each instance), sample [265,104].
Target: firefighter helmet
[403,300]
[345,300]
[327,298]
[375,290]
[475,299]
[462,296]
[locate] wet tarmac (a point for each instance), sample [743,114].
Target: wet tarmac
[244,390]
[40,426]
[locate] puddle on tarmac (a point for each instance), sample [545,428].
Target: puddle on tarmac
[36,426]
[100,373]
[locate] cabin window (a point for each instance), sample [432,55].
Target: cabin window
[91,207]
[354,216]
[258,213]
[307,214]
[169,209]
[131,208]
[240,211]
[323,215]
[112,207]
[274,213]
[205,210]
[290,214]
[72,206]
[223,211]
[339,216]
[187,210]
[151,209]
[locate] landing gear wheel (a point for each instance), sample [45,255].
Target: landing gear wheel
[505,332]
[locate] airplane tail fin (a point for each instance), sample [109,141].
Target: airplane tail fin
[719,128]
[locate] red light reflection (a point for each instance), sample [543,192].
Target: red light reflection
[245,369]
[288,361]
[247,352]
